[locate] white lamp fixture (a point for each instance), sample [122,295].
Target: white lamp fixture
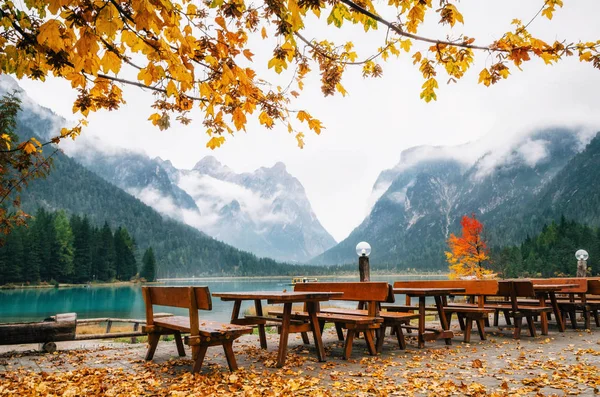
[581,255]
[363,249]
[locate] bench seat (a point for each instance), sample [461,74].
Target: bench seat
[206,328]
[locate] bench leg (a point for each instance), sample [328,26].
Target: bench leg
[507,317]
[198,353]
[228,348]
[340,331]
[153,338]
[400,337]
[481,328]
[305,339]
[461,321]
[486,320]
[573,317]
[370,342]
[531,326]
[586,318]
[544,326]
[348,344]
[468,326]
[518,325]
[179,343]
[380,338]
[596,317]
[496,317]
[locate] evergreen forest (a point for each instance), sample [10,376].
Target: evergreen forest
[54,248]
[551,253]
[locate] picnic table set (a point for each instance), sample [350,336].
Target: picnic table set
[532,300]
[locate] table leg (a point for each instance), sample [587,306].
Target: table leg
[559,319]
[235,314]
[261,327]
[285,330]
[313,308]
[543,316]
[443,320]
[421,339]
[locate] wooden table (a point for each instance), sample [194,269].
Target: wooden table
[439,294]
[550,290]
[310,299]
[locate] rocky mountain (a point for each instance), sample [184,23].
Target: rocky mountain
[419,202]
[265,212]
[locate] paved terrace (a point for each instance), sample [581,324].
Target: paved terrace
[557,364]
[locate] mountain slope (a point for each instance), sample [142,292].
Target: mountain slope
[180,249]
[421,200]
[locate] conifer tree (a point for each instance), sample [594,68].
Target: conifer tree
[125,263]
[148,265]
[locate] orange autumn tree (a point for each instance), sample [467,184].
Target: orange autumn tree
[469,251]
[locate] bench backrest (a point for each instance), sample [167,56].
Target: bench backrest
[516,288]
[593,286]
[178,296]
[472,287]
[353,291]
[580,288]
[192,298]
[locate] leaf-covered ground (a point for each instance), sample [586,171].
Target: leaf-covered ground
[561,364]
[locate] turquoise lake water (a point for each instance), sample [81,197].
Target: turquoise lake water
[20,305]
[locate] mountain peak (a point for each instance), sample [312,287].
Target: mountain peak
[211,166]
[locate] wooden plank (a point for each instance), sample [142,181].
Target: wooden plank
[278,297]
[577,285]
[179,297]
[352,291]
[471,287]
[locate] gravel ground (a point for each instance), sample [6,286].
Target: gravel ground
[557,364]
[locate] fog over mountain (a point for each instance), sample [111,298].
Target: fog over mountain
[420,201]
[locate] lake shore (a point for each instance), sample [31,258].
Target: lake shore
[405,276]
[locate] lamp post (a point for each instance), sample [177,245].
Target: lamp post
[363,250]
[582,257]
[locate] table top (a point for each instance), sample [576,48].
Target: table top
[428,291]
[277,296]
[552,287]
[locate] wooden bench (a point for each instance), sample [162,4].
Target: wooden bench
[393,320]
[466,312]
[514,289]
[372,293]
[573,299]
[203,333]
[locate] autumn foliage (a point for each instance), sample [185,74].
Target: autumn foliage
[469,251]
[200,54]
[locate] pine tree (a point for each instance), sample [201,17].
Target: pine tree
[105,254]
[64,248]
[125,263]
[82,257]
[148,265]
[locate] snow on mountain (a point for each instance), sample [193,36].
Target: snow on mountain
[265,211]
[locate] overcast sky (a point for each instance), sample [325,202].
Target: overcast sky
[366,131]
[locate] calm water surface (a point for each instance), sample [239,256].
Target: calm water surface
[127,302]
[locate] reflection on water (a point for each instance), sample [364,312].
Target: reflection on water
[127,302]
